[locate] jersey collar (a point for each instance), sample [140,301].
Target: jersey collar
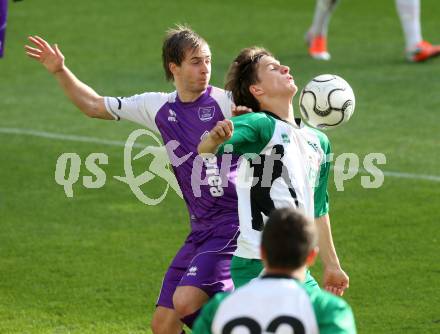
[279,276]
[197,101]
[298,121]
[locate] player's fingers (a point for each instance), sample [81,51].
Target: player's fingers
[328,288]
[222,123]
[33,55]
[57,51]
[216,133]
[226,129]
[31,49]
[221,132]
[43,42]
[332,290]
[234,110]
[222,127]
[244,109]
[229,124]
[36,42]
[240,110]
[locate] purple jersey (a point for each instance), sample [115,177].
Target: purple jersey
[207,186]
[3,17]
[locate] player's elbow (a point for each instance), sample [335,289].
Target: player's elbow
[93,113]
[95,108]
[89,112]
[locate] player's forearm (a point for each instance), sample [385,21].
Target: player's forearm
[327,248]
[81,95]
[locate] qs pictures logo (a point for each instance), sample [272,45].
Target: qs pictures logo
[68,168]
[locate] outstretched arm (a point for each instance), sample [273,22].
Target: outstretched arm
[84,97]
[217,136]
[335,279]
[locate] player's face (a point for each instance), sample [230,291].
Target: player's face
[275,79]
[194,73]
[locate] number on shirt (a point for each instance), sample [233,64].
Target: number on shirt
[255,328]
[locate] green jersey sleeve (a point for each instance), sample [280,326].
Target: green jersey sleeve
[252,132]
[321,193]
[333,314]
[203,323]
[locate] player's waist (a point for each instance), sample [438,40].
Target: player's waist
[227,232]
[247,248]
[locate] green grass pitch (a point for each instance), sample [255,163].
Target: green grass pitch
[94,263]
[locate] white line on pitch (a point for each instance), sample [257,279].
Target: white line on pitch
[51,135]
[400,175]
[85,139]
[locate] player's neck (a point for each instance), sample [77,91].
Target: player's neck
[299,274]
[282,108]
[189,96]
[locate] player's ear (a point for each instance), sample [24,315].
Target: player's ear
[173,68]
[310,260]
[256,90]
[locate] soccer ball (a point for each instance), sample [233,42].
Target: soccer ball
[326,102]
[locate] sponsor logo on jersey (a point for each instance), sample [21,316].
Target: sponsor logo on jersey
[172,117]
[206,113]
[285,138]
[192,271]
[213,175]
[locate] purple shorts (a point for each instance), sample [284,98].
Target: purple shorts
[204,265]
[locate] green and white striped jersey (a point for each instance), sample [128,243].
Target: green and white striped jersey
[284,165]
[275,304]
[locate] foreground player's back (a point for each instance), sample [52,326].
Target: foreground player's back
[276,304]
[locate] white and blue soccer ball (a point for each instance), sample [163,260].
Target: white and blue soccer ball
[326,102]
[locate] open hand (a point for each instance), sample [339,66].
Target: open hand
[51,57]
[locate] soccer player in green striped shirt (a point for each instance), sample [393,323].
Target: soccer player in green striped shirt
[278,302]
[285,163]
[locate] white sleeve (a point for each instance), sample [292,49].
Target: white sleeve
[224,100]
[141,109]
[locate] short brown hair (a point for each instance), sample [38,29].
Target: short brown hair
[242,74]
[177,41]
[288,237]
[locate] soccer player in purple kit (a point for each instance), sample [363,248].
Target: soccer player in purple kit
[201,267]
[3,17]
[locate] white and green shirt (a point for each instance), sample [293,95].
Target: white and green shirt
[284,165]
[275,304]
